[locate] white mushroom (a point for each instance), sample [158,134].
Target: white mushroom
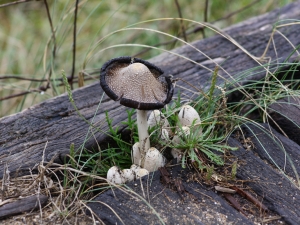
[177,154]
[188,116]
[165,136]
[139,172]
[135,168]
[115,175]
[183,132]
[155,118]
[153,160]
[128,175]
[136,154]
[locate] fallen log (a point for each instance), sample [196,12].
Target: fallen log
[153,201]
[278,193]
[148,201]
[48,129]
[287,120]
[279,151]
[22,205]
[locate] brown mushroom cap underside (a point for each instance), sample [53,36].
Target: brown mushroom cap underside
[136,83]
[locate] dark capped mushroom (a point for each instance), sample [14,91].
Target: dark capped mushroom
[137,84]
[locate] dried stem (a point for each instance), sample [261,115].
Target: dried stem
[181,21]
[54,41]
[205,19]
[74,46]
[199,28]
[14,3]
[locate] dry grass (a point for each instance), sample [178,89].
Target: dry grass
[65,186]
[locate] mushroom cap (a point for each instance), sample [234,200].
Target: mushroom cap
[156,118]
[128,174]
[153,160]
[115,175]
[141,172]
[136,83]
[187,115]
[184,131]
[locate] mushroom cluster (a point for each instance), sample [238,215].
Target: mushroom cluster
[140,85]
[188,121]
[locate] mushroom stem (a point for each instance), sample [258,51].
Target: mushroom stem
[141,117]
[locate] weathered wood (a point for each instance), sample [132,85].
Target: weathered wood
[196,204]
[277,150]
[287,120]
[22,205]
[277,192]
[50,127]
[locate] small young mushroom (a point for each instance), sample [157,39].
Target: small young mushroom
[153,160]
[136,154]
[128,175]
[115,175]
[184,131]
[177,154]
[165,139]
[137,84]
[139,172]
[135,168]
[188,116]
[155,118]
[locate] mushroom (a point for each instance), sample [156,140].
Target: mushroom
[153,160]
[155,118]
[136,154]
[183,132]
[188,116]
[128,174]
[115,175]
[139,172]
[137,84]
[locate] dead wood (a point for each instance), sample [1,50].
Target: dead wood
[277,192]
[22,205]
[276,149]
[148,201]
[52,126]
[287,120]
[274,195]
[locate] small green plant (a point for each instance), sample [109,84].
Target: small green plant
[210,171]
[233,170]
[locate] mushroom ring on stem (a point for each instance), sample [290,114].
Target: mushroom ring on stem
[137,84]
